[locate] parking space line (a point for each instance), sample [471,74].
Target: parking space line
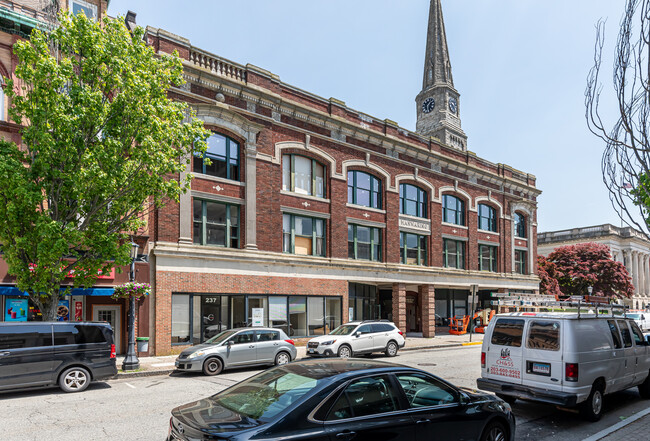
[130,385]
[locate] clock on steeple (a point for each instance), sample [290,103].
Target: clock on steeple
[438,110]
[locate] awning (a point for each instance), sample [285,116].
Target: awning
[13,291]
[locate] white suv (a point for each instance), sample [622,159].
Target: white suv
[356,338]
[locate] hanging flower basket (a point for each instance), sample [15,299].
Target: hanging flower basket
[131,289]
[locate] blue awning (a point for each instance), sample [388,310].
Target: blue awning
[13,291]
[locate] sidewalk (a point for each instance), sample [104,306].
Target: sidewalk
[164,365]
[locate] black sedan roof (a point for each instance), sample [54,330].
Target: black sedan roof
[318,369]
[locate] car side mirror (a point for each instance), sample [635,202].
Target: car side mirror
[464,399]
[357,334]
[229,343]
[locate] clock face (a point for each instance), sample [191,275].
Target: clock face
[428,105]
[453,105]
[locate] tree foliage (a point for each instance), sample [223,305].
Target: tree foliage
[547,272]
[577,267]
[626,159]
[102,145]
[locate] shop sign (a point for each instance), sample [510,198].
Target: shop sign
[412,224]
[78,311]
[16,310]
[63,311]
[258,316]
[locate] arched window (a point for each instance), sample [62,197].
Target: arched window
[223,153]
[487,218]
[364,189]
[412,200]
[453,210]
[303,175]
[520,225]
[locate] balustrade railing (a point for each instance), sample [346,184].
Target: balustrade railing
[217,65]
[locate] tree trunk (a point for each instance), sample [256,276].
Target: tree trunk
[48,306]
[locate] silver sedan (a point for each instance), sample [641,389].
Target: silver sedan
[238,348]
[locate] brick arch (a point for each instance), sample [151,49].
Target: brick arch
[368,167]
[488,201]
[417,181]
[299,147]
[456,192]
[216,116]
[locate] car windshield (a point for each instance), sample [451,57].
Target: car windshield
[220,337]
[267,394]
[343,330]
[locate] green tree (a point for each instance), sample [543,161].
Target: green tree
[102,146]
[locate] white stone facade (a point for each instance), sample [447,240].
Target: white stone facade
[627,245]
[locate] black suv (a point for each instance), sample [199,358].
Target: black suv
[41,354]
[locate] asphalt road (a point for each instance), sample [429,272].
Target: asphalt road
[139,408]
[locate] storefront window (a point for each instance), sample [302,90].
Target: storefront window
[298,315]
[363,302]
[316,316]
[278,313]
[180,318]
[258,311]
[332,313]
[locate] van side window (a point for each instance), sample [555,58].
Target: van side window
[77,334]
[637,334]
[615,335]
[25,336]
[508,332]
[625,333]
[544,335]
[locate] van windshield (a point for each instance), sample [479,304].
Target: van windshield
[634,316]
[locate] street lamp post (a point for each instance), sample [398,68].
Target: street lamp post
[131,361]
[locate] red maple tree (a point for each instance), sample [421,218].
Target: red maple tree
[577,267]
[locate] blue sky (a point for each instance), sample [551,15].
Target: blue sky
[520,66]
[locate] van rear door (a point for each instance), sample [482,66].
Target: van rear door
[504,350]
[542,364]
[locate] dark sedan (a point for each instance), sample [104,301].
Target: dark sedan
[339,400]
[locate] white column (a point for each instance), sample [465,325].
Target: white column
[251,192]
[641,289]
[646,273]
[635,272]
[185,211]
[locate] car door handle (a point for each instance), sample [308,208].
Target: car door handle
[422,421]
[346,435]
[2,354]
[252,346]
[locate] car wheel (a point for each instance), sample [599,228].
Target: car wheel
[391,349]
[495,432]
[74,379]
[592,409]
[507,398]
[644,388]
[212,366]
[282,358]
[345,351]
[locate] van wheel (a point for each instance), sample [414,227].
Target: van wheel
[507,398]
[282,358]
[644,388]
[345,351]
[494,432]
[212,366]
[391,349]
[592,409]
[75,379]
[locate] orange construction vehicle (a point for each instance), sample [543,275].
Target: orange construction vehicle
[459,325]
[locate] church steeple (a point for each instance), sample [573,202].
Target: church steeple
[438,104]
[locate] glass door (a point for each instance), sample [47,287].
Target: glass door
[211,323]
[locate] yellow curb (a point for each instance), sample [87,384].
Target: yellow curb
[472,343]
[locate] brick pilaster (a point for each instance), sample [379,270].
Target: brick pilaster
[428,302]
[399,306]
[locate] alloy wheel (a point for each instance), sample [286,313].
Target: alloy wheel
[75,380]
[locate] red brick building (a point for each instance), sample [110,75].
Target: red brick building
[313,213]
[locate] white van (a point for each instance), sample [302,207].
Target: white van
[566,359]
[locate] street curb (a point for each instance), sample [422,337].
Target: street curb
[126,375]
[618,426]
[123,375]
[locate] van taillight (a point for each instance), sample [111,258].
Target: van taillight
[290,342]
[482,359]
[571,370]
[113,353]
